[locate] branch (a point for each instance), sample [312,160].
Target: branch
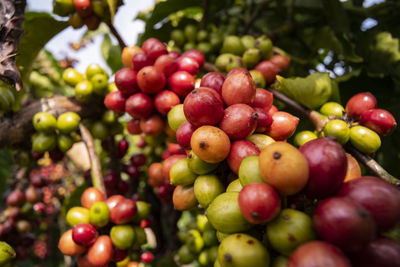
[20,123]
[11,19]
[254,16]
[117,35]
[203,21]
[95,166]
[319,122]
[373,166]
[314,116]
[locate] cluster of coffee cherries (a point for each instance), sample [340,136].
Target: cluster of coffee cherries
[200,242]
[256,55]
[55,134]
[153,81]
[208,42]
[106,230]
[31,210]
[93,82]
[84,12]
[361,123]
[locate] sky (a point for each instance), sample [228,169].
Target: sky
[124,23]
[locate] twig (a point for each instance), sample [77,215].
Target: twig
[95,166]
[373,166]
[117,35]
[203,21]
[319,122]
[254,16]
[316,118]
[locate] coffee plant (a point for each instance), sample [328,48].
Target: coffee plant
[233,133]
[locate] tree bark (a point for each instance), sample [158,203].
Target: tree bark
[11,19]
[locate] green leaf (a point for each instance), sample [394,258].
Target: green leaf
[311,91]
[6,166]
[336,15]
[165,8]
[38,28]
[382,53]
[111,54]
[112,5]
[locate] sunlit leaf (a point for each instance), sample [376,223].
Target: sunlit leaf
[311,91]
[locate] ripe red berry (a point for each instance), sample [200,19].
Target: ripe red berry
[125,80]
[379,120]
[84,234]
[181,82]
[115,101]
[147,257]
[151,80]
[359,103]
[259,203]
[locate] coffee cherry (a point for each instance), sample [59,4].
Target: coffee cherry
[364,139]
[126,81]
[332,109]
[339,129]
[259,203]
[44,122]
[378,120]
[115,101]
[359,103]
[84,234]
[90,196]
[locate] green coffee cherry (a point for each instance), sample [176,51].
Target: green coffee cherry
[339,129]
[332,109]
[364,139]
[303,137]
[68,122]
[7,253]
[44,122]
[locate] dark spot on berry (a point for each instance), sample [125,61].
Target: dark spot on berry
[250,242]
[291,238]
[255,215]
[202,144]
[228,257]
[277,155]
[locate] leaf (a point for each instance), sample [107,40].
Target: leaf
[311,91]
[382,53]
[39,28]
[6,166]
[164,8]
[111,54]
[336,15]
[112,5]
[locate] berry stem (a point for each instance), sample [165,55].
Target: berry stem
[95,166]
[117,35]
[319,121]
